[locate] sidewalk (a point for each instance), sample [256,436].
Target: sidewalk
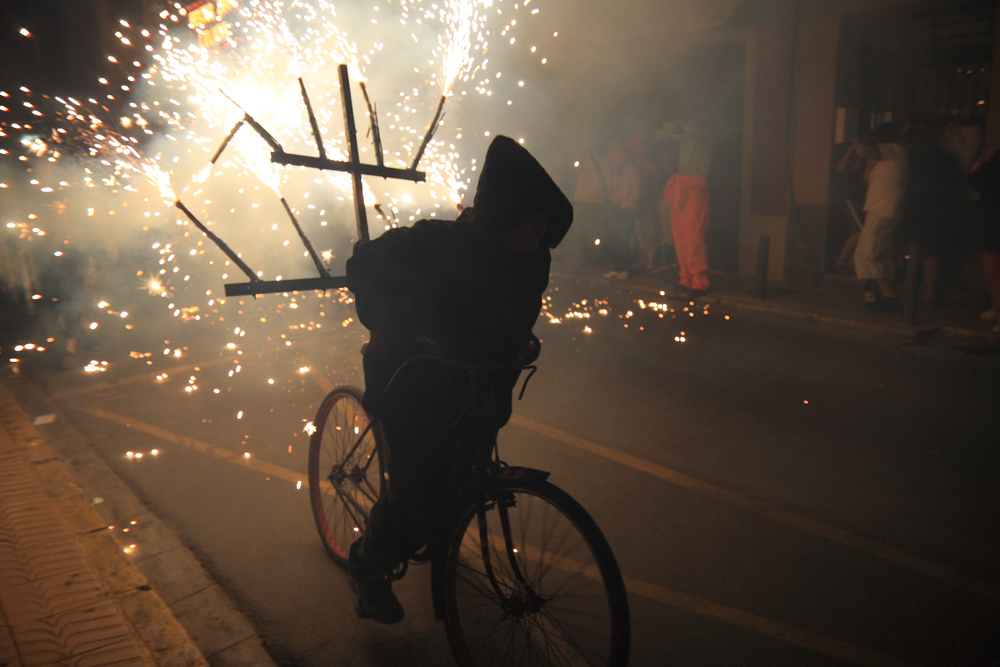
[838,302]
[68,593]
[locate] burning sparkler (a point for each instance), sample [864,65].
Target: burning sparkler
[112,157]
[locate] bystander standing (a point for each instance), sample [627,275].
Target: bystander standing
[985,180]
[873,256]
[936,206]
[687,194]
[853,172]
[625,197]
[591,199]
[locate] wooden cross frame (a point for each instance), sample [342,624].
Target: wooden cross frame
[354,166]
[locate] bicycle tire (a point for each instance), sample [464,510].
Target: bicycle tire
[345,453]
[565,608]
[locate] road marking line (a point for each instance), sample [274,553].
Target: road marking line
[764,626]
[198,446]
[759,624]
[136,378]
[319,378]
[789,634]
[893,555]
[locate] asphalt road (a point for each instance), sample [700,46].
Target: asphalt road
[776,492]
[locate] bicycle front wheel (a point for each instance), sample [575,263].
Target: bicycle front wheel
[345,470]
[530,580]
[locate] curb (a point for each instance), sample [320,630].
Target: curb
[190,608]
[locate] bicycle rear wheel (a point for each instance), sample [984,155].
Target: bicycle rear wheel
[546,590]
[345,470]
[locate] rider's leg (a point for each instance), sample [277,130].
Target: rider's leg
[401,521]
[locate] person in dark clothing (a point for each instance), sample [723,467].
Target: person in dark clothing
[985,180]
[936,210]
[469,290]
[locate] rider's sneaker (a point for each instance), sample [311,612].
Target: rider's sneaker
[375,597]
[377,601]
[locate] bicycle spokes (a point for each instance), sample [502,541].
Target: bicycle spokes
[350,477]
[344,470]
[527,590]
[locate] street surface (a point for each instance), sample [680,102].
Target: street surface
[776,492]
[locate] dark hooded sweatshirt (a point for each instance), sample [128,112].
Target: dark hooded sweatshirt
[457,284]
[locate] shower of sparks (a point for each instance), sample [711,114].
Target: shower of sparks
[462,19]
[588,315]
[113,163]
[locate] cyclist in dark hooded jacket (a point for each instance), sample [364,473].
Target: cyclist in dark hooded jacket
[471,290]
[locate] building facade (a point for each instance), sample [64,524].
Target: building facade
[819,73]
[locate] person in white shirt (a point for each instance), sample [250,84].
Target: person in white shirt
[873,260]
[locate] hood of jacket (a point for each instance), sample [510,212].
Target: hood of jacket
[512,185]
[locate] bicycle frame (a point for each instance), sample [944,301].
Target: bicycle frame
[487,470]
[473,491]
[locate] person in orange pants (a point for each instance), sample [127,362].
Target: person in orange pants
[689,210]
[687,194]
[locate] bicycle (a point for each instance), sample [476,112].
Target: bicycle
[520,572]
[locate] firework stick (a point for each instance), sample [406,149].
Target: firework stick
[280,286]
[381,213]
[305,239]
[229,137]
[431,129]
[217,241]
[264,134]
[376,135]
[352,142]
[313,162]
[312,122]
[258,128]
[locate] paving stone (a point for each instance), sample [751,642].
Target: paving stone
[72,633]
[162,635]
[25,603]
[45,537]
[175,575]
[78,513]
[248,653]
[40,453]
[8,654]
[16,569]
[211,631]
[55,479]
[149,539]
[105,554]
